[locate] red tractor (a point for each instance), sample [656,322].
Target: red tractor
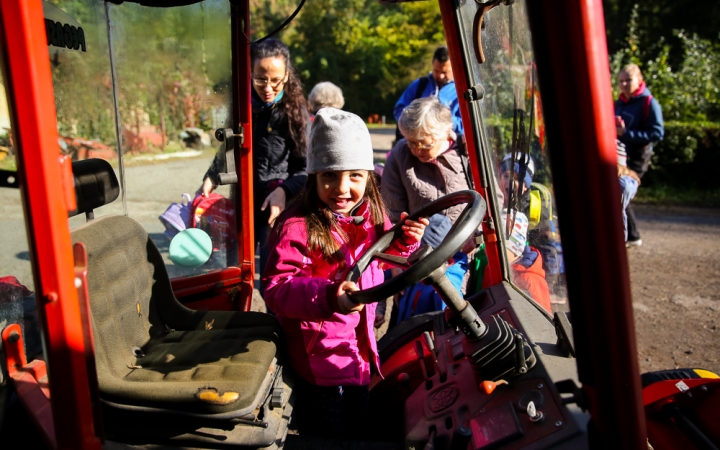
[108,341]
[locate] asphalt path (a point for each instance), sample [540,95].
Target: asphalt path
[674,274]
[151,186]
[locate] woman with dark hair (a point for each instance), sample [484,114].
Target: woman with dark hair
[280,128]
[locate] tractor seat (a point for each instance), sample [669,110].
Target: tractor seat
[152,353]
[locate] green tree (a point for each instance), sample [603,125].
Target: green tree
[371,51]
[687,90]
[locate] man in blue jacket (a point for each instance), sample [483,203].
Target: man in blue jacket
[639,122]
[438,83]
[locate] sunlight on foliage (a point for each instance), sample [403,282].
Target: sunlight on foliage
[688,92]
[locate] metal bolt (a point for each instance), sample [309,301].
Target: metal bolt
[52,297]
[78,282]
[482,410]
[703,388]
[540,386]
[14,337]
[558,423]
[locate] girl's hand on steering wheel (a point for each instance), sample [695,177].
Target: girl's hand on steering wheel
[346,305]
[414,230]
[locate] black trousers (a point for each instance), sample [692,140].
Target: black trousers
[331,412]
[639,161]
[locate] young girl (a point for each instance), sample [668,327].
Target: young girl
[338,216]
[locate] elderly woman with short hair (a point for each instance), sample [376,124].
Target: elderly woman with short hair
[325,94]
[426,164]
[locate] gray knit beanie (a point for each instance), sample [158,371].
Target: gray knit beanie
[339,140]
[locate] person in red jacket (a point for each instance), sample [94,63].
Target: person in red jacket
[525,262]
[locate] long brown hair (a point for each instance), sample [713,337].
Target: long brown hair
[293,101]
[320,220]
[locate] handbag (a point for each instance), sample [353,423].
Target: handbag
[176,217]
[215,215]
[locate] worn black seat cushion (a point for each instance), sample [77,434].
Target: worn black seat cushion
[151,351]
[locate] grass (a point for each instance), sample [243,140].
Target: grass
[8,164]
[380,126]
[673,196]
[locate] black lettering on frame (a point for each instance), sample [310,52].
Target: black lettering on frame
[81,38]
[59,35]
[64,35]
[75,43]
[67,30]
[49,31]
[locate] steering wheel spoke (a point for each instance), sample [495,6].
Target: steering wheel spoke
[393,260]
[423,262]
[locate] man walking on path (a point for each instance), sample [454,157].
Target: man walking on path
[639,123]
[438,83]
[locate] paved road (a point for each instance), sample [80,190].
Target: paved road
[151,188]
[674,275]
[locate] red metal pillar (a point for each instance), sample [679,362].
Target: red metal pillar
[572,61]
[26,68]
[242,121]
[447,8]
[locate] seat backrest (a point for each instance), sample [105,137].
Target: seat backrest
[95,185]
[129,286]
[125,271]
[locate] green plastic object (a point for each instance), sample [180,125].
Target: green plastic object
[190,248]
[477,270]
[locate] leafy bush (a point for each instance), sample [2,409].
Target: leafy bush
[688,156]
[686,93]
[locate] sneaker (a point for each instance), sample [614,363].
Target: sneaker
[635,243]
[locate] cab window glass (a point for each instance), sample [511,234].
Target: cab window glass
[17,297]
[7,153]
[172,71]
[514,134]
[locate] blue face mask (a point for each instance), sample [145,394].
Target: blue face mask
[278,98]
[258,102]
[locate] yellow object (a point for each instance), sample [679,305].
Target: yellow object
[535,208]
[705,373]
[211,395]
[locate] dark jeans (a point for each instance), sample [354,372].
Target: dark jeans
[262,232]
[331,412]
[639,161]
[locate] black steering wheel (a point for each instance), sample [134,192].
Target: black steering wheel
[425,260]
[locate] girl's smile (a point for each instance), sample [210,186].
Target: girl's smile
[342,190]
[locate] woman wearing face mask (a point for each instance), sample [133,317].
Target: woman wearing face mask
[280,127]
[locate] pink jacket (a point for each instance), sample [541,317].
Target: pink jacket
[325,347]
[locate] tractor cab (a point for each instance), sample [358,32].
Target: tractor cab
[130,319]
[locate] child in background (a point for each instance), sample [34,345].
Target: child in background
[542,233]
[629,183]
[525,262]
[338,216]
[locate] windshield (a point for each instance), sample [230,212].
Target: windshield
[514,141]
[17,296]
[158,80]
